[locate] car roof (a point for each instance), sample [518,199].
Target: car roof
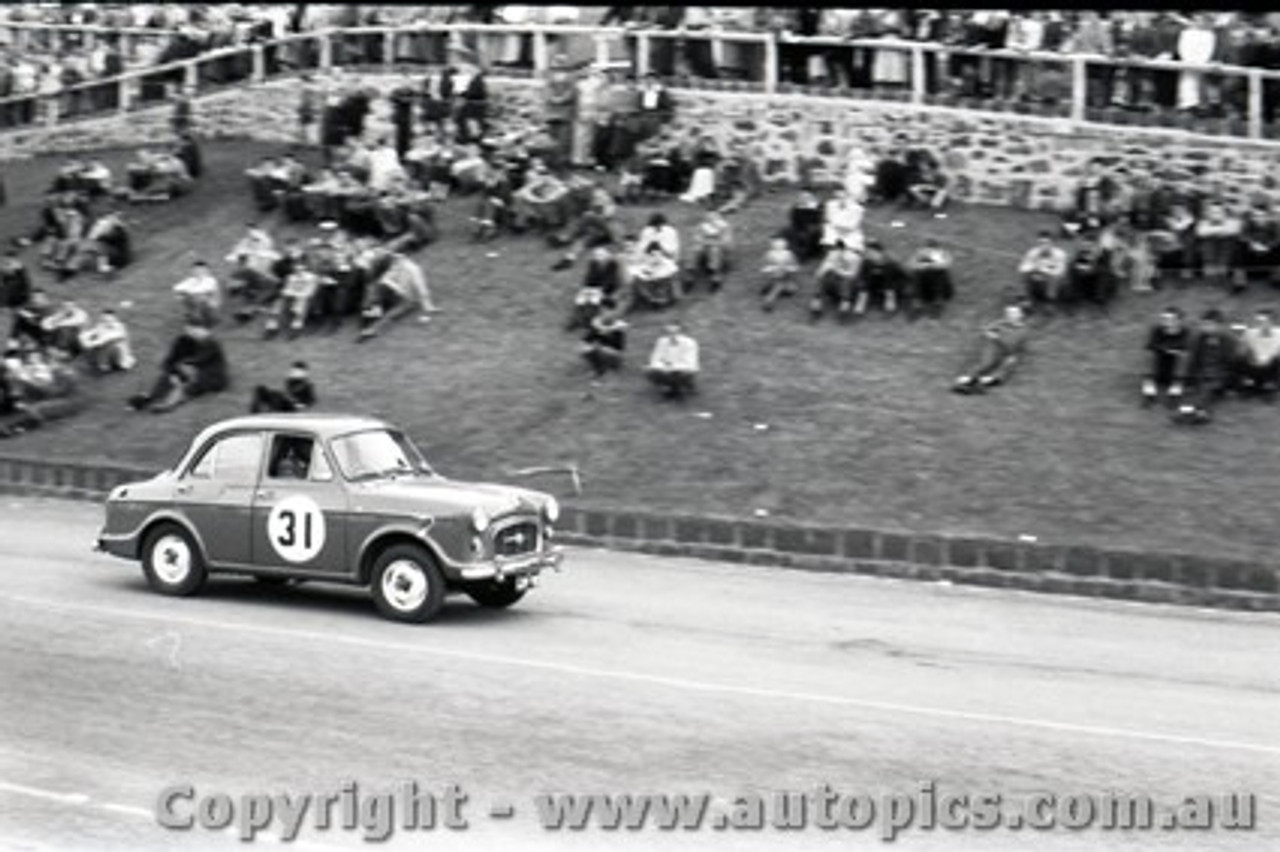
[324,425]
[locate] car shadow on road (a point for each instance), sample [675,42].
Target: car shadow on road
[459,611]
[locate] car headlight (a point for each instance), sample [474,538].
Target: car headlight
[479,520]
[551,509]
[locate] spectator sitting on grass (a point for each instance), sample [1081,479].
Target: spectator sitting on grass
[882,277]
[1259,367]
[931,283]
[805,227]
[738,182]
[157,176]
[1168,343]
[200,295]
[596,225]
[194,366]
[35,389]
[602,282]
[105,344]
[28,318]
[1090,275]
[892,174]
[674,363]
[292,307]
[604,342]
[842,220]
[253,259]
[1209,369]
[540,201]
[779,270]
[15,281]
[655,276]
[62,327]
[927,185]
[1003,345]
[298,394]
[1044,271]
[713,243]
[837,280]
[67,220]
[397,292]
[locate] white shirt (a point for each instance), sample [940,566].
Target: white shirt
[1263,348]
[667,238]
[201,285]
[675,352]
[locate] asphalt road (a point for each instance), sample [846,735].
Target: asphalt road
[625,673]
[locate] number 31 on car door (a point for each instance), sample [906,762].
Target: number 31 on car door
[296,529]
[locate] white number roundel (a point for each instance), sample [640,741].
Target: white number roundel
[295,529]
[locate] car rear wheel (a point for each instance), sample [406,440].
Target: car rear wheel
[497,595]
[407,584]
[172,563]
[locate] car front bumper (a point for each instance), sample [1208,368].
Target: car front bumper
[124,545]
[500,568]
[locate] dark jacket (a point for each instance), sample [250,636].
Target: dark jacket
[202,362]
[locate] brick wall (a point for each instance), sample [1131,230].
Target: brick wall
[1033,566]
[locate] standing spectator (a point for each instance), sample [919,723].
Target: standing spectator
[1003,345]
[674,363]
[1209,369]
[1089,275]
[1259,367]
[1258,250]
[655,106]
[1168,343]
[1196,45]
[15,281]
[590,95]
[310,104]
[931,283]
[404,98]
[561,109]
[805,227]
[1216,237]
[473,112]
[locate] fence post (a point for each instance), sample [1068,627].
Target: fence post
[1255,103]
[389,49]
[540,61]
[326,51]
[191,78]
[259,64]
[642,53]
[1079,87]
[771,64]
[123,92]
[602,49]
[918,81]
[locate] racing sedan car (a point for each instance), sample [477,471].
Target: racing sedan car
[336,498]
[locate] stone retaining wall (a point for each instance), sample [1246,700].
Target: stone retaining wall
[1033,566]
[993,158]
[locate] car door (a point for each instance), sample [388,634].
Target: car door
[216,495]
[299,508]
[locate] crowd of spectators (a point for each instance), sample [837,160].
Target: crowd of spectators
[607,141]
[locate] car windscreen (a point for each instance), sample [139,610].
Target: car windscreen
[377,453]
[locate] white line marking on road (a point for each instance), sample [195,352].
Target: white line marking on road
[128,810]
[663,680]
[49,795]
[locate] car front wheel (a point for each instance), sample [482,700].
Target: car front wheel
[496,595]
[172,562]
[407,584]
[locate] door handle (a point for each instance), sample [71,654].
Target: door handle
[182,490]
[264,494]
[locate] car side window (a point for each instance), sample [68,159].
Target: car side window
[290,457]
[233,459]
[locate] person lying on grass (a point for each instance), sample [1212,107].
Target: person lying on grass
[1002,347]
[195,366]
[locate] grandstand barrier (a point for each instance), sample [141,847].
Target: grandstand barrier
[1056,568]
[1067,87]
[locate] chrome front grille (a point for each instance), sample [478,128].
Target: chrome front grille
[516,538]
